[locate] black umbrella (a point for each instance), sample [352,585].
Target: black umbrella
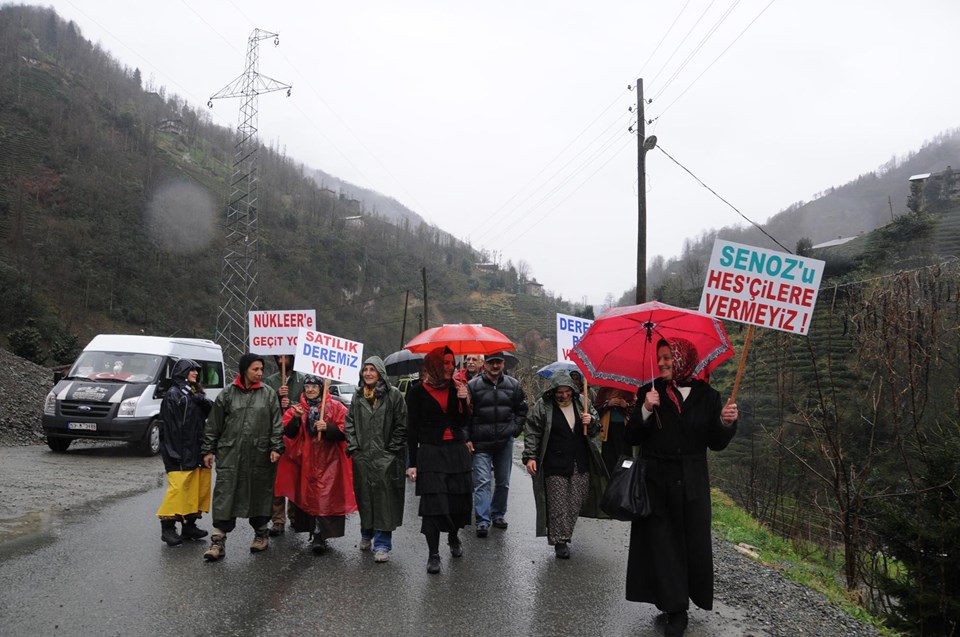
[403,362]
[510,361]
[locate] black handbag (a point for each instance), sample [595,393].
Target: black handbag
[626,495]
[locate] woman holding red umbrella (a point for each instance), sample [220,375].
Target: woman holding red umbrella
[440,460]
[676,420]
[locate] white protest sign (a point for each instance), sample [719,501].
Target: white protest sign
[570,329]
[761,287]
[327,356]
[275,331]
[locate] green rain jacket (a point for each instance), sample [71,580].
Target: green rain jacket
[377,443]
[537,436]
[242,429]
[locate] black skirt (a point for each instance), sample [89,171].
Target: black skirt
[445,485]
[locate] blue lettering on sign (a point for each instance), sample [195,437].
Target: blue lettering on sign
[773,265]
[577,326]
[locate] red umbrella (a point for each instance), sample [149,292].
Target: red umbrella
[461,338]
[620,348]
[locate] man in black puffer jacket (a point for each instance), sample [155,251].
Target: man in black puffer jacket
[499,413]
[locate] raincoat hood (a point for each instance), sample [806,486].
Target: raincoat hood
[560,378]
[377,362]
[183,367]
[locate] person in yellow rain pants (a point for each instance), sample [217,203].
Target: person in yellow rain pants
[183,414]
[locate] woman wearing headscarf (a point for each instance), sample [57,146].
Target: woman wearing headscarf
[440,461]
[376,431]
[183,413]
[561,451]
[676,420]
[314,473]
[614,406]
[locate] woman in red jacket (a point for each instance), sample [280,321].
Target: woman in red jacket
[315,473]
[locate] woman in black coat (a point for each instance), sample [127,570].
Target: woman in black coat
[183,414]
[440,461]
[676,420]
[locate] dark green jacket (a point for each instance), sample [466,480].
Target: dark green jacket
[377,443]
[536,438]
[242,429]
[294,385]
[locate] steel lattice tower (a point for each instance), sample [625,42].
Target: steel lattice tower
[239,284]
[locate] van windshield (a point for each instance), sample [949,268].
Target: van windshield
[116,366]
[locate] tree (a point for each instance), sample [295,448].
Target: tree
[25,343]
[804,247]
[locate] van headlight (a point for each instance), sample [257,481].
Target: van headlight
[128,407]
[50,405]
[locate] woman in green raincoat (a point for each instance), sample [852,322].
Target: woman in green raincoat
[376,431]
[561,451]
[244,435]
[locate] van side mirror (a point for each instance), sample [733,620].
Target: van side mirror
[57,376]
[162,386]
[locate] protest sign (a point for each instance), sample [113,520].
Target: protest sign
[761,287]
[570,329]
[275,331]
[327,356]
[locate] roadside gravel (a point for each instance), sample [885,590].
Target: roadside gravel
[23,387]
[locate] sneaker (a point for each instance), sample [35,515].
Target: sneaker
[381,557]
[433,564]
[562,551]
[218,548]
[261,542]
[277,529]
[456,549]
[676,624]
[482,531]
[365,544]
[500,523]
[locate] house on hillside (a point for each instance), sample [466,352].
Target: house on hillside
[533,288]
[932,192]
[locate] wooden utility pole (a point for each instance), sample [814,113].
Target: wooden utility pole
[426,322]
[641,200]
[403,329]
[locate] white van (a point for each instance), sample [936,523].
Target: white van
[114,389]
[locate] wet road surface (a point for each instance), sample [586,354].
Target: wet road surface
[106,572]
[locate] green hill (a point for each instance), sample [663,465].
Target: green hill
[111,201]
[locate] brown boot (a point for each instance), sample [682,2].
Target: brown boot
[218,547]
[261,541]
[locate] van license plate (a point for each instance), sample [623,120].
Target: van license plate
[88,426]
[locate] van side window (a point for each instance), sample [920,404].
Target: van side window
[211,374]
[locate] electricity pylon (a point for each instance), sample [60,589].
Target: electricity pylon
[239,284]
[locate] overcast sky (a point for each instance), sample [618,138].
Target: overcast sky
[506,123]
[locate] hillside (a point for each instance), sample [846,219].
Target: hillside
[110,217]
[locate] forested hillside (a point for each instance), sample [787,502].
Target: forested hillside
[111,200]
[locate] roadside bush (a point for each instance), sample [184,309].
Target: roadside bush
[25,343]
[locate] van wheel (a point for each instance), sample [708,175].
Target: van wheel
[58,445]
[150,445]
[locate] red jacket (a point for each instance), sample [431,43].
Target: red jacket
[317,476]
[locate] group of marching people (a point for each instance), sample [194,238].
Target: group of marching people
[282,439]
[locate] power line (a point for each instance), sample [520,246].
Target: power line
[757,226]
[715,60]
[685,37]
[696,49]
[657,48]
[497,231]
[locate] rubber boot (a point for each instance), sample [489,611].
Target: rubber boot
[168,533]
[190,531]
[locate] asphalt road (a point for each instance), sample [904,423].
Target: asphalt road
[74,565]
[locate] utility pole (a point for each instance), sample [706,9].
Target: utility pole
[239,284]
[403,329]
[643,145]
[426,323]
